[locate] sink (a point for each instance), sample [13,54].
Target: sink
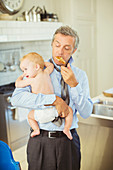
[104,108]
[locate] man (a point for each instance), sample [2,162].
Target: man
[52,150]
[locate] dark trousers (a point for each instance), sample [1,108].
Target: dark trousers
[45,153]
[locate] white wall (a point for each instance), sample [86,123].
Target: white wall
[104,44]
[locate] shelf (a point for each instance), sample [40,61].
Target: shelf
[15,31]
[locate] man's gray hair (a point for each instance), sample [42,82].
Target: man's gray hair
[66,30]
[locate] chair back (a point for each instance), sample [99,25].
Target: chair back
[7,161]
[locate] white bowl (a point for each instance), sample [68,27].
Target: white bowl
[6,17]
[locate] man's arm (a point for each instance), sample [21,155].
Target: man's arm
[22,97]
[23,83]
[79,91]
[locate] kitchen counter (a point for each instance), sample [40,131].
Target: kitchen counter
[96,136]
[103,98]
[98,119]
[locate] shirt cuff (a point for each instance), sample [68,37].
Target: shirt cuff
[75,91]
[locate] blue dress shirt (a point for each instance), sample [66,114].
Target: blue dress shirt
[79,97]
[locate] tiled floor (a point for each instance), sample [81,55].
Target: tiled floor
[21,156]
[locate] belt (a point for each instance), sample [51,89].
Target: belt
[54,134]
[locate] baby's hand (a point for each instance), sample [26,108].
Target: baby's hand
[49,67]
[22,75]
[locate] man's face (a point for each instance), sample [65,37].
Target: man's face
[62,46]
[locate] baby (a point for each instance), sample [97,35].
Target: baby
[39,79]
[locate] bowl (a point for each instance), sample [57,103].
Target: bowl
[104,108]
[6,17]
[12,68]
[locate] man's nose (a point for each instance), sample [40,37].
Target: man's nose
[61,51]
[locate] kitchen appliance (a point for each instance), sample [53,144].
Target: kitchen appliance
[12,131]
[10,6]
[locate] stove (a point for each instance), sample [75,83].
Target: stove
[12,131]
[6,89]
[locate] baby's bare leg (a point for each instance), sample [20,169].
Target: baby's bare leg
[68,123]
[33,123]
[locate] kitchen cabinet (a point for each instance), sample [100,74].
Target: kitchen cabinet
[96,136]
[84,9]
[84,20]
[85,58]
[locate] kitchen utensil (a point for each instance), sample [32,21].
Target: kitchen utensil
[55,18]
[26,16]
[31,14]
[44,14]
[34,17]
[38,11]
[12,68]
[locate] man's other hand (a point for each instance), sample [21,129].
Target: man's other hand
[61,106]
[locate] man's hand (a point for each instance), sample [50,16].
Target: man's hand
[69,76]
[61,106]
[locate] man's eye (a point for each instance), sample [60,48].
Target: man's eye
[57,45]
[67,48]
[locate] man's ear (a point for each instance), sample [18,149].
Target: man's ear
[37,66]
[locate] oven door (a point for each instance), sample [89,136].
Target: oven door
[18,131]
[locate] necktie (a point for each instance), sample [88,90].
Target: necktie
[64,91]
[64,95]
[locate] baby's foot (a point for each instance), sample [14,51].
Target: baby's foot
[68,134]
[35,132]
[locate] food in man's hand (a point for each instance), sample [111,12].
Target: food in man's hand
[60,59]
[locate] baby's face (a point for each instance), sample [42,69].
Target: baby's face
[29,68]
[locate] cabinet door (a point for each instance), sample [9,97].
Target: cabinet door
[85,57]
[84,9]
[81,15]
